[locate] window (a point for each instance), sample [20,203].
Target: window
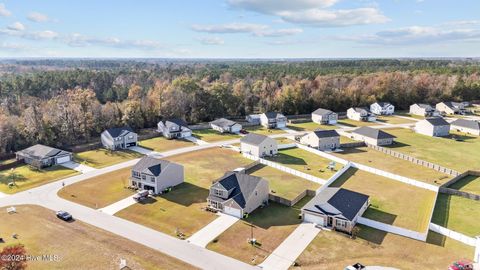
[144,177]
[218,192]
[152,179]
[340,223]
[130,137]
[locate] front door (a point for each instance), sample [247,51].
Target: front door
[330,221]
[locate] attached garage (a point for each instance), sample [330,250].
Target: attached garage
[233,211]
[314,219]
[60,160]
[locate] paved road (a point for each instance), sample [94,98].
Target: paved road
[212,230]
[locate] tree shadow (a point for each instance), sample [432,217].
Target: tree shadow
[287,159]
[379,215]
[186,194]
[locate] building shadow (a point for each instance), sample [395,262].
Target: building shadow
[396,144]
[186,194]
[441,212]
[379,215]
[436,239]
[371,235]
[287,159]
[272,215]
[344,177]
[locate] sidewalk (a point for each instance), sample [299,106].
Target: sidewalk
[212,230]
[118,206]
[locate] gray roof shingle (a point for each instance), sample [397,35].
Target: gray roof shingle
[42,151]
[151,165]
[241,184]
[321,111]
[373,133]
[472,124]
[253,139]
[119,131]
[437,121]
[273,115]
[324,133]
[223,122]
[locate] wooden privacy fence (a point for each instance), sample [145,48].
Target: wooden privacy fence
[445,188]
[275,198]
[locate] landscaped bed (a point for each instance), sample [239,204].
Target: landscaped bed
[101,158]
[26,177]
[469,183]
[99,191]
[457,213]
[210,135]
[161,144]
[77,245]
[333,250]
[392,202]
[310,126]
[379,160]
[270,226]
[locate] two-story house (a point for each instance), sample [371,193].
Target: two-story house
[450,108]
[258,145]
[119,138]
[322,139]
[174,128]
[156,174]
[273,120]
[360,114]
[382,108]
[324,116]
[423,110]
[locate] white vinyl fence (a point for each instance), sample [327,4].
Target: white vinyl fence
[322,154]
[334,177]
[453,234]
[286,146]
[393,229]
[286,169]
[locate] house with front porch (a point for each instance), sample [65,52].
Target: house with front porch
[156,174]
[174,129]
[119,138]
[360,114]
[324,117]
[273,120]
[382,108]
[41,156]
[223,125]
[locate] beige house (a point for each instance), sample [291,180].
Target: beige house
[238,194]
[360,114]
[258,145]
[450,108]
[324,116]
[435,127]
[372,136]
[156,174]
[423,110]
[466,126]
[336,208]
[321,139]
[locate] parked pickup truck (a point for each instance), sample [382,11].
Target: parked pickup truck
[141,195]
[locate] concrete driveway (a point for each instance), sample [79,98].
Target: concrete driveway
[118,206]
[212,230]
[78,167]
[196,140]
[141,150]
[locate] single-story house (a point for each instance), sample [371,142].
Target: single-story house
[372,136]
[273,120]
[435,127]
[322,139]
[450,108]
[360,114]
[382,108]
[225,126]
[174,128]
[336,208]
[258,145]
[324,116]
[423,110]
[238,194]
[467,126]
[156,174]
[119,138]
[253,118]
[42,156]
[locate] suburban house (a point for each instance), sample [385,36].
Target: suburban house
[253,118]
[174,128]
[467,126]
[156,174]
[324,116]
[273,120]
[258,145]
[41,156]
[119,138]
[423,110]
[450,108]
[321,139]
[372,136]
[336,208]
[238,194]
[435,127]
[382,108]
[360,114]
[225,126]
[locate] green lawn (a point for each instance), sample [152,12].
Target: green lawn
[470,183]
[457,155]
[27,177]
[7,161]
[379,160]
[458,214]
[210,135]
[393,120]
[101,158]
[352,123]
[263,130]
[410,115]
[161,144]
[270,226]
[284,140]
[304,161]
[392,202]
[283,184]
[332,250]
[310,126]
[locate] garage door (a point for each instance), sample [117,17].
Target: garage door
[63,159]
[314,219]
[232,211]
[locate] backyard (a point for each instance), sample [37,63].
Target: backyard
[333,250]
[458,155]
[457,213]
[310,126]
[392,202]
[26,177]
[394,120]
[352,123]
[270,226]
[161,144]
[264,130]
[210,135]
[469,183]
[78,245]
[101,158]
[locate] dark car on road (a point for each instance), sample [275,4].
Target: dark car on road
[63,215]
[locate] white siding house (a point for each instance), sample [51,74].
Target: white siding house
[323,116]
[223,125]
[382,108]
[156,174]
[360,114]
[273,120]
[258,145]
[435,127]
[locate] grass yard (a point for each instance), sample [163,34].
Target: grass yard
[304,161]
[352,123]
[332,250]
[78,245]
[101,158]
[283,184]
[310,126]
[264,130]
[457,155]
[7,161]
[210,135]
[270,225]
[161,144]
[458,214]
[470,183]
[27,177]
[379,160]
[345,139]
[393,120]
[392,202]
[407,114]
[182,209]
[284,140]
[99,191]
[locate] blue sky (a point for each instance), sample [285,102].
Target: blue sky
[240,28]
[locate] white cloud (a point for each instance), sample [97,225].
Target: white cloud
[4,11]
[47,34]
[38,17]
[16,26]
[273,6]
[211,41]
[79,40]
[279,32]
[13,46]
[229,28]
